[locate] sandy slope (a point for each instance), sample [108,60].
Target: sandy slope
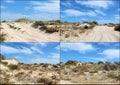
[28,34]
[97,34]
[65,82]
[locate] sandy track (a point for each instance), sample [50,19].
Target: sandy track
[28,34]
[97,34]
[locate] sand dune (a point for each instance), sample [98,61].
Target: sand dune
[27,33]
[97,34]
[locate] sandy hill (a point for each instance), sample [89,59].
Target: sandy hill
[89,32]
[28,73]
[73,72]
[25,32]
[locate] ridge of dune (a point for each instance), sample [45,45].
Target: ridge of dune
[27,34]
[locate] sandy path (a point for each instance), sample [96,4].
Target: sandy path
[65,82]
[97,34]
[103,34]
[28,34]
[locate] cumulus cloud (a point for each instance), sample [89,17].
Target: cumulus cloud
[79,47]
[111,53]
[73,12]
[96,3]
[11,50]
[51,6]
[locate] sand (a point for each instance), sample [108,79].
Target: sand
[27,33]
[97,34]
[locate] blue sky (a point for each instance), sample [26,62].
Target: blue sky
[102,11]
[31,9]
[32,52]
[90,52]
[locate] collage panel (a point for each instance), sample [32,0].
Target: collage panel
[29,20]
[89,20]
[90,63]
[29,63]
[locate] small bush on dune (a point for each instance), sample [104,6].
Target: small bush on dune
[95,22]
[71,62]
[51,30]
[86,27]
[4,63]
[13,67]
[23,20]
[2,37]
[67,35]
[1,28]
[4,21]
[38,23]
[111,25]
[117,28]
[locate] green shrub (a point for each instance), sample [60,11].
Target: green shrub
[117,28]
[111,24]
[38,23]
[51,30]
[67,35]
[71,62]
[5,63]
[22,20]
[86,27]
[2,37]
[1,28]
[95,22]
[19,74]
[13,67]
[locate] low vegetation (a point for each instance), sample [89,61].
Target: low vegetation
[98,72]
[23,20]
[117,28]
[29,73]
[47,26]
[2,37]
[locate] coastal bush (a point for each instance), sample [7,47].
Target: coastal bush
[23,20]
[117,28]
[38,23]
[13,67]
[67,35]
[2,37]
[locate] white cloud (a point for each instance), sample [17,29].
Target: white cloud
[45,60]
[95,58]
[36,50]
[9,1]
[12,50]
[55,55]
[117,17]
[100,12]
[57,48]
[72,12]
[111,53]
[96,3]
[80,47]
[34,16]
[66,3]
[51,6]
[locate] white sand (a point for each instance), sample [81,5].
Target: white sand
[28,34]
[97,34]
